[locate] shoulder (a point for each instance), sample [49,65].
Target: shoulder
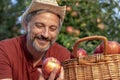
[11,46]
[11,42]
[11,49]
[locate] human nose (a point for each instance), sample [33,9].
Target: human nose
[45,32]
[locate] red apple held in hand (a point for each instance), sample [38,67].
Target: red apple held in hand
[113,48]
[81,52]
[49,64]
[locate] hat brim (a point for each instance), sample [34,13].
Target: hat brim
[59,10]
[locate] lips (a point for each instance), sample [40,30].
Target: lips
[42,41]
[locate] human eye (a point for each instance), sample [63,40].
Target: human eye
[53,28]
[39,25]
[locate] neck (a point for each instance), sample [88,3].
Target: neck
[37,55]
[37,59]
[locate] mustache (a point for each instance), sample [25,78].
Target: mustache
[43,38]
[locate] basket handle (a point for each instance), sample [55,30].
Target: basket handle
[104,39]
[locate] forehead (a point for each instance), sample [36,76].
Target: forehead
[39,12]
[47,14]
[46,18]
[30,15]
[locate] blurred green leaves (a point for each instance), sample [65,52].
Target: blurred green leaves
[87,17]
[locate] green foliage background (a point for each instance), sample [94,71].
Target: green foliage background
[87,17]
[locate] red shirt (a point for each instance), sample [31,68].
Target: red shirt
[16,61]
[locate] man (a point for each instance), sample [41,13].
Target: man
[21,57]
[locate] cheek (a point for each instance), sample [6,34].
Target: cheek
[54,35]
[32,32]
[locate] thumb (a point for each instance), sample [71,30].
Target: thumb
[61,75]
[41,74]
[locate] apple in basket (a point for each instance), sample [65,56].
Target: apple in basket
[49,64]
[113,48]
[98,49]
[81,52]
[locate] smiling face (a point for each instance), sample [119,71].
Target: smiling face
[42,31]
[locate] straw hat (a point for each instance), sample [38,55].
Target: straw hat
[50,5]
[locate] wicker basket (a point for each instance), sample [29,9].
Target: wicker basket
[93,67]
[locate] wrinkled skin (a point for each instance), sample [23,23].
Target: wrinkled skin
[42,31]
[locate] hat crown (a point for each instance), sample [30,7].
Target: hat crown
[50,5]
[51,2]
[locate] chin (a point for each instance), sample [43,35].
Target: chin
[41,48]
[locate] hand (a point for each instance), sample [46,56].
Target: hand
[52,75]
[61,76]
[41,74]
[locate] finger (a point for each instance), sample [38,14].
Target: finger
[41,75]
[39,70]
[53,74]
[61,75]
